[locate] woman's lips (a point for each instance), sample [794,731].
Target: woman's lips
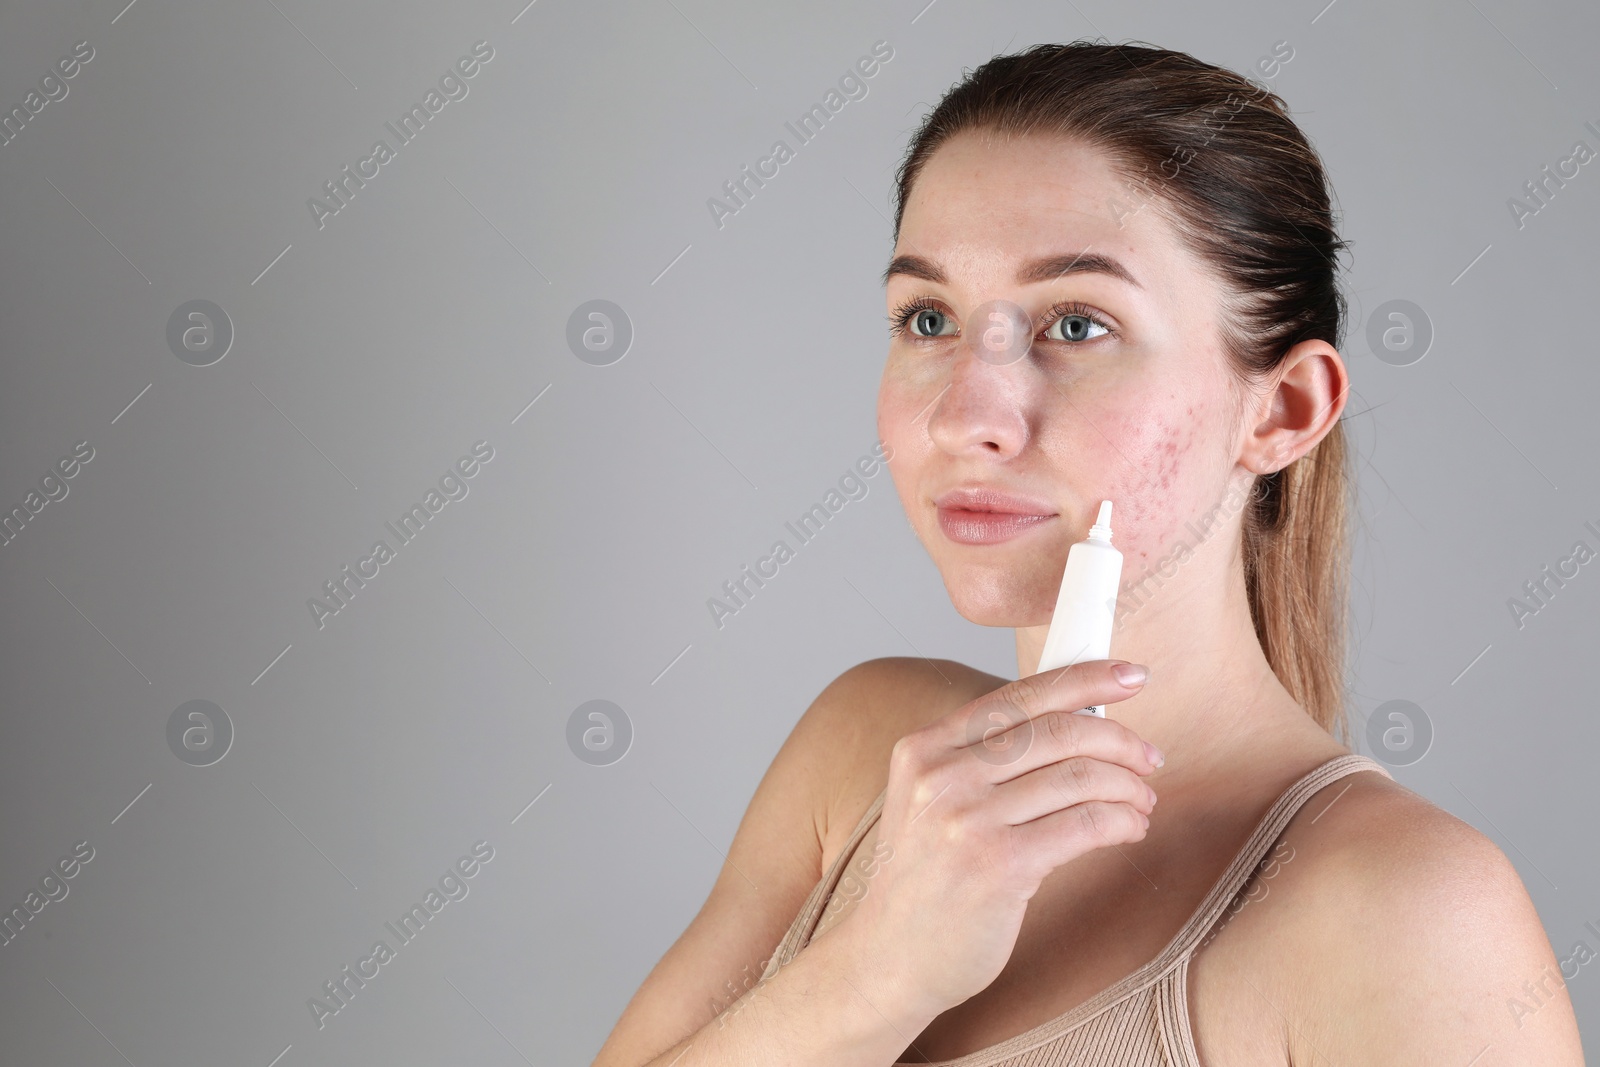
[985,527]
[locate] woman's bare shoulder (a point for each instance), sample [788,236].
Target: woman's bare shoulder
[1385,890]
[859,717]
[1366,841]
[1367,829]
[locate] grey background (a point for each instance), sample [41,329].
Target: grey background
[427,315]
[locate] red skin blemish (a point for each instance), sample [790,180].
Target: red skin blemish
[1148,460]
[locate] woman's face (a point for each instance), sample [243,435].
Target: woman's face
[1126,397]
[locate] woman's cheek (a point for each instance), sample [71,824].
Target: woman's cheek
[1148,486]
[894,421]
[898,407]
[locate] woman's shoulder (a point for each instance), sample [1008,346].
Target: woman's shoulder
[1367,845]
[1402,921]
[855,722]
[1366,833]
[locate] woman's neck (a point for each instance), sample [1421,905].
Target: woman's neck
[1211,689]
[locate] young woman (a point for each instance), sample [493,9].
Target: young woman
[1113,278]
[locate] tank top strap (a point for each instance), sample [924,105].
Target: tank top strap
[799,933]
[1266,833]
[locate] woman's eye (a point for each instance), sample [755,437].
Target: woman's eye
[931,322]
[1075,328]
[1073,323]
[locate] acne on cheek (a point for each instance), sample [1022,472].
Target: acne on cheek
[1148,493]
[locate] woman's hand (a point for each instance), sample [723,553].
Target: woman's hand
[981,805]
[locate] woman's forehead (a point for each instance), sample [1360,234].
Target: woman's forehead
[993,211]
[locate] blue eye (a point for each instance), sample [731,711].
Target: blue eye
[1076,327]
[921,319]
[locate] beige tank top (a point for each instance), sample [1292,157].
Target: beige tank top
[1142,1020]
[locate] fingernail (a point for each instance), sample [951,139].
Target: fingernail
[1146,819]
[1152,793]
[1130,674]
[1154,754]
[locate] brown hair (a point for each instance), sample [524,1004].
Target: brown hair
[1219,158]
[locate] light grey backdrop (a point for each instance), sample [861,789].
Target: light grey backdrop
[373,347]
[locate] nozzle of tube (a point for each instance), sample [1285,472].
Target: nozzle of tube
[1101,530]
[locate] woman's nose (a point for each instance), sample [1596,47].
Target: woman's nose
[986,402]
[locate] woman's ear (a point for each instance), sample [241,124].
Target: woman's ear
[1304,403]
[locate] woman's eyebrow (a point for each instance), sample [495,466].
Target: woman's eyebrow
[1037,270]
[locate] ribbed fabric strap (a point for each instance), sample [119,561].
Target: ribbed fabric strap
[799,932]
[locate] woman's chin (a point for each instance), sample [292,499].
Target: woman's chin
[1001,604]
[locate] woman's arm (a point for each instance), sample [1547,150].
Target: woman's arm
[698,998]
[827,1006]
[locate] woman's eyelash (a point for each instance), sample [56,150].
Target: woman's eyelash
[903,313]
[902,316]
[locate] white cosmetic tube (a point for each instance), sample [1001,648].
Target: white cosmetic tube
[1086,606]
